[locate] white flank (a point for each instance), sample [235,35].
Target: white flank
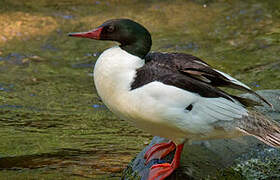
[158,108]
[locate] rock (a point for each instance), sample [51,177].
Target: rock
[241,158]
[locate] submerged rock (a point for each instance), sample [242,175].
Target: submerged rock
[241,158]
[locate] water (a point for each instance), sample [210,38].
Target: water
[52,123]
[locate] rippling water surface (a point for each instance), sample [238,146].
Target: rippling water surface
[52,123]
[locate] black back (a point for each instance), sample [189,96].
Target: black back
[189,73]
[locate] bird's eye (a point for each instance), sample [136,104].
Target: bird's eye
[110,28]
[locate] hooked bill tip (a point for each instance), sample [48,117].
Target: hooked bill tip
[71,34]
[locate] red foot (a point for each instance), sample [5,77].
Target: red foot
[161,171]
[158,151]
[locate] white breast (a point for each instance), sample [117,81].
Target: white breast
[114,71]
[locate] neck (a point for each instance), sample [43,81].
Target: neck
[139,48]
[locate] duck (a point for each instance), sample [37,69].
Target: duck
[173,95]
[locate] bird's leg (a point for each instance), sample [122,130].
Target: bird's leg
[158,151]
[161,171]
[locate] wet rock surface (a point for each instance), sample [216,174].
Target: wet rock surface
[240,158]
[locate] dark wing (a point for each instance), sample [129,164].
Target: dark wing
[200,70]
[190,73]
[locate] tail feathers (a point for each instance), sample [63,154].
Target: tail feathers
[257,125]
[269,139]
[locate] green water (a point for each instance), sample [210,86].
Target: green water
[52,123]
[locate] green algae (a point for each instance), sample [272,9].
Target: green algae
[264,165]
[259,166]
[50,112]
[229,174]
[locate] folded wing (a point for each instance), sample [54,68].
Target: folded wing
[198,70]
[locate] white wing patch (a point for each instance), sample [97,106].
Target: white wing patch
[199,62]
[233,80]
[208,111]
[223,109]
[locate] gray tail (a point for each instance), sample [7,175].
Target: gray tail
[259,126]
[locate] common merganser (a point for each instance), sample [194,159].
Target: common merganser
[172,95]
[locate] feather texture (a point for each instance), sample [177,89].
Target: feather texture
[192,74]
[259,126]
